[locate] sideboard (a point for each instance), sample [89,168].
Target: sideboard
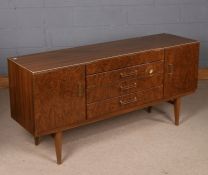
[58,90]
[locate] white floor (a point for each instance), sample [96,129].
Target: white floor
[134,144]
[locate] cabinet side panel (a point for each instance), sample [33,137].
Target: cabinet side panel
[21,98]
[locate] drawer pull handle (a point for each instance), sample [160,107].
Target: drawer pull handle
[128,87]
[123,75]
[128,102]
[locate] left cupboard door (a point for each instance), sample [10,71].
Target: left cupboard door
[59,98]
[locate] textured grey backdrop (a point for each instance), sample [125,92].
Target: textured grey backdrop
[29,26]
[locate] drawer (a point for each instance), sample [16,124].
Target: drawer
[99,93]
[123,103]
[119,62]
[144,70]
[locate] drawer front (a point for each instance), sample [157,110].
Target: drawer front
[145,70]
[123,87]
[123,103]
[119,62]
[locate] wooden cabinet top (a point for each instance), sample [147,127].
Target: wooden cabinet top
[74,56]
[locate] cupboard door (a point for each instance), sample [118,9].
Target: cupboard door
[181,69]
[59,98]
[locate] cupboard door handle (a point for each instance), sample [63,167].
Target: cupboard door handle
[128,102]
[123,75]
[170,69]
[80,90]
[128,87]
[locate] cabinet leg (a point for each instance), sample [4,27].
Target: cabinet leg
[177,110]
[149,109]
[58,146]
[37,140]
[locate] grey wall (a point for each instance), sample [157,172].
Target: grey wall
[29,26]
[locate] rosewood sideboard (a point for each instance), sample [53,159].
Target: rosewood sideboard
[54,91]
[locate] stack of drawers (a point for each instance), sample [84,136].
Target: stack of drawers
[122,83]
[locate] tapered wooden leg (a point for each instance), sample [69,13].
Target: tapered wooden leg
[58,146]
[177,110]
[149,109]
[37,140]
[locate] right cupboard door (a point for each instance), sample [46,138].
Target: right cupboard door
[181,69]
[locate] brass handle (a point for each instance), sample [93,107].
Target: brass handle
[123,75]
[128,87]
[80,90]
[170,69]
[151,71]
[128,102]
